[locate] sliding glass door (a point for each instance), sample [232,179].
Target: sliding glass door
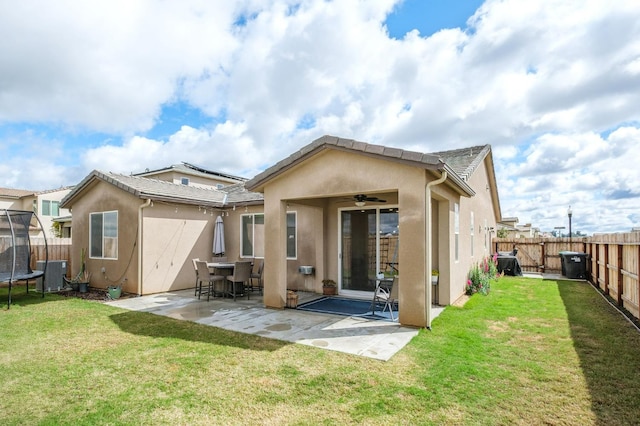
[368,245]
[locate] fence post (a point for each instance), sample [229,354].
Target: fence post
[620,278]
[594,265]
[606,268]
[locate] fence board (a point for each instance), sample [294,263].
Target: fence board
[58,248]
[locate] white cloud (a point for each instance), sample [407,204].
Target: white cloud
[540,81]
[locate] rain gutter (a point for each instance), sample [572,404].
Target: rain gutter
[142,206]
[428,240]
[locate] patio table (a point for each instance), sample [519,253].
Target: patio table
[222,268]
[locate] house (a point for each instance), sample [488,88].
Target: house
[512,229]
[189,174]
[46,204]
[442,207]
[348,209]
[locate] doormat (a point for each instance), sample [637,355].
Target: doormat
[346,307]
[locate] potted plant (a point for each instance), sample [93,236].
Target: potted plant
[81,281]
[434,276]
[329,287]
[114,291]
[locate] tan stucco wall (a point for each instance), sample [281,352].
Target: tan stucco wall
[172,236]
[454,274]
[105,197]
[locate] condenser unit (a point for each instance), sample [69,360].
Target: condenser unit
[56,269]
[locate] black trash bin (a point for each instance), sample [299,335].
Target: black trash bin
[574,264]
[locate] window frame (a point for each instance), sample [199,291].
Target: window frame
[472,234]
[456,231]
[251,240]
[293,256]
[103,248]
[291,252]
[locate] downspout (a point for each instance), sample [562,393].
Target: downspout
[144,205]
[428,240]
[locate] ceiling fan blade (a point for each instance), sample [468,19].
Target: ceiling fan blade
[375,199]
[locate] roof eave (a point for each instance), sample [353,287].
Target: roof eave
[415,159]
[460,185]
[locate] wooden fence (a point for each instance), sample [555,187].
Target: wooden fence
[59,249]
[613,261]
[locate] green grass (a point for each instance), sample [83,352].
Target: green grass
[532,352]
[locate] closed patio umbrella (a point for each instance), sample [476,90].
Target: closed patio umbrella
[218,237]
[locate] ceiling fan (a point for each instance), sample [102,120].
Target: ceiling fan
[361,198]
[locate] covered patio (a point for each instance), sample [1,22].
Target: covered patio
[373,210]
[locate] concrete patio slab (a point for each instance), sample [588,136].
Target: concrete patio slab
[353,335]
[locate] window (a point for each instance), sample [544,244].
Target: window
[456,230]
[252,235]
[471,228]
[291,235]
[50,208]
[184,181]
[103,235]
[486,245]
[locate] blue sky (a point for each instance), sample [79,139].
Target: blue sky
[121,86]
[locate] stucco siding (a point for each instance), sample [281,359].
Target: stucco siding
[102,198]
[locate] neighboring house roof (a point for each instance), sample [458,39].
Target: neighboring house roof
[15,193]
[436,162]
[49,191]
[193,170]
[62,219]
[155,189]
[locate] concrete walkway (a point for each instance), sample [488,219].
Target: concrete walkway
[358,336]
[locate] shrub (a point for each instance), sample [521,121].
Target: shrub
[481,274]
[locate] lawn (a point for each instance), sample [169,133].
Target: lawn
[531,352]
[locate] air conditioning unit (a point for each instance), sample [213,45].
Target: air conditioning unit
[56,269]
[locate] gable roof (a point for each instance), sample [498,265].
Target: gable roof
[435,162]
[155,189]
[190,169]
[464,161]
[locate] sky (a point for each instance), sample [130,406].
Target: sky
[235,86]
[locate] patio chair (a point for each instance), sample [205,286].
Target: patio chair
[205,276]
[387,295]
[239,281]
[15,260]
[195,267]
[257,276]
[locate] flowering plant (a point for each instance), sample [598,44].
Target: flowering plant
[481,274]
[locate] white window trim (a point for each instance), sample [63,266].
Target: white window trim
[456,232]
[253,233]
[295,214]
[117,236]
[472,228]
